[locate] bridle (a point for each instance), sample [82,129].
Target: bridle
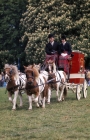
[30,77]
[9,74]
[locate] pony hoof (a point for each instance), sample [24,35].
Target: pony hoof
[59,100]
[13,109]
[48,103]
[21,106]
[29,109]
[43,107]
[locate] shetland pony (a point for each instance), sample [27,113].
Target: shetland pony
[36,84]
[16,82]
[58,80]
[45,74]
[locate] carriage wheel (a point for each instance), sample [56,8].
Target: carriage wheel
[78,94]
[85,89]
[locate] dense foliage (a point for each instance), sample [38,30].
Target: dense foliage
[57,16]
[25,25]
[11,49]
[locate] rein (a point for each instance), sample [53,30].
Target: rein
[58,80]
[47,83]
[21,77]
[14,87]
[43,83]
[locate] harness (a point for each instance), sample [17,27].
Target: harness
[13,88]
[37,85]
[16,86]
[57,80]
[49,81]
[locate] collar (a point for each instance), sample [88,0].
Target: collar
[64,43]
[52,43]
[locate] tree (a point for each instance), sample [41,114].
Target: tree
[60,17]
[10,31]
[80,29]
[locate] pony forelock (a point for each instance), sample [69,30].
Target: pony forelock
[12,67]
[33,69]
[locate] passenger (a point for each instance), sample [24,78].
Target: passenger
[65,53]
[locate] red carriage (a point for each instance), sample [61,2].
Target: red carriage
[75,69]
[77,81]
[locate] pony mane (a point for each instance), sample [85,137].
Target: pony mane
[34,69]
[12,67]
[7,66]
[37,66]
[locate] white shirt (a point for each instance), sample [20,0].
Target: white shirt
[64,43]
[52,43]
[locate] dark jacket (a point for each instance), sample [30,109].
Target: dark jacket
[66,47]
[49,49]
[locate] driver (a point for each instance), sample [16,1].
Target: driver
[51,49]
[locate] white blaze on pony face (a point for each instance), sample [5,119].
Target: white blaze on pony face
[6,77]
[54,68]
[50,70]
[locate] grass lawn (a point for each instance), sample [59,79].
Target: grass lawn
[68,120]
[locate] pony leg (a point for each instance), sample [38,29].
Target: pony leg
[49,95]
[45,94]
[61,95]
[40,100]
[33,97]
[57,91]
[20,97]
[15,99]
[36,101]
[64,93]
[43,101]
[10,97]
[30,102]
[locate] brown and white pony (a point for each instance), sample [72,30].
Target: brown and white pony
[58,81]
[15,83]
[45,74]
[35,85]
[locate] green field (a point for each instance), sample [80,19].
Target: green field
[68,120]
